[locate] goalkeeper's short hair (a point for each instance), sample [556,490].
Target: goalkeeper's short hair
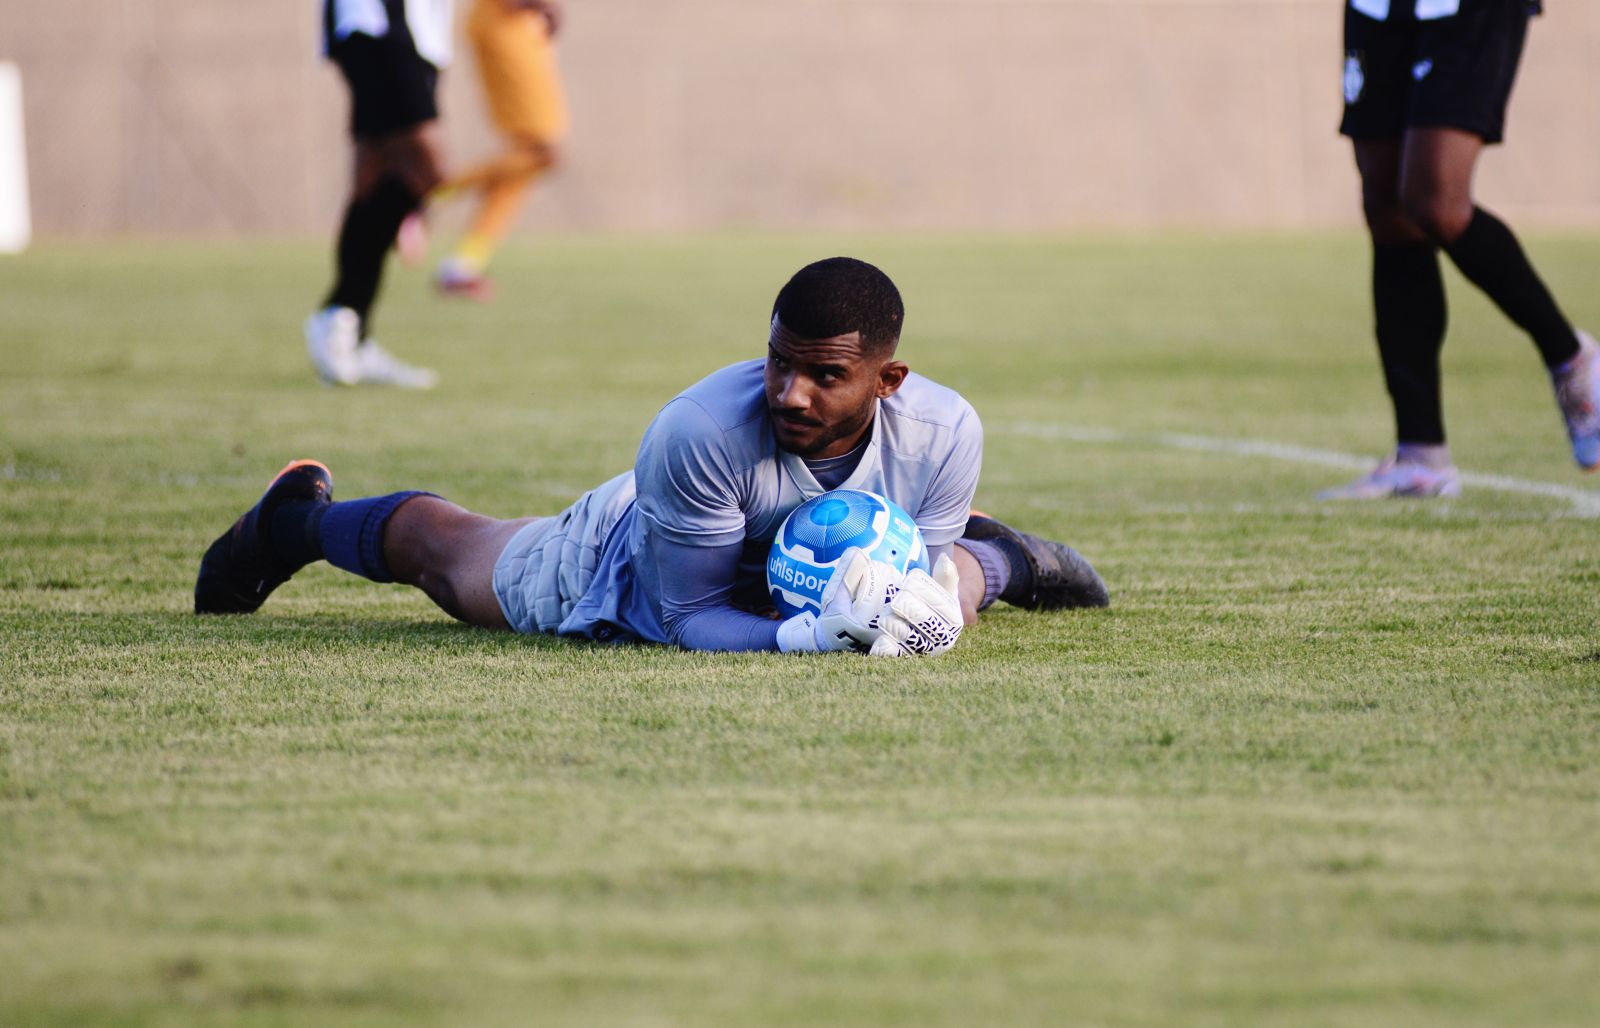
[840,295]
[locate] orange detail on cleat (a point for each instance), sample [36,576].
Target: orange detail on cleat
[301,462]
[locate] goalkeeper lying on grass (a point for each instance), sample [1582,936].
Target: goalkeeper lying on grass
[674,551]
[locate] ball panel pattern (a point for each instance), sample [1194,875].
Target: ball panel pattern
[817,533]
[831,526]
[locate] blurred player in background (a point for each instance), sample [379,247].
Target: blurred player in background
[675,550]
[1426,84]
[512,40]
[390,53]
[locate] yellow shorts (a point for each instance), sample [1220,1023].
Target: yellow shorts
[517,63]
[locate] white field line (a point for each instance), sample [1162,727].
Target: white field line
[1585,502]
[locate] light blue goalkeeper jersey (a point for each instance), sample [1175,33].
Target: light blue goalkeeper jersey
[710,473]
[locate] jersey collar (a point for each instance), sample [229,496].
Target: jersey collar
[807,483]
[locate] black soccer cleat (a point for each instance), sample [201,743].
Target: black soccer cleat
[1061,576]
[240,569]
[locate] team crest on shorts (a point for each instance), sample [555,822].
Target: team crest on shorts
[1355,78]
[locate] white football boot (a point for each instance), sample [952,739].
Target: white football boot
[377,366]
[1395,476]
[1577,384]
[332,336]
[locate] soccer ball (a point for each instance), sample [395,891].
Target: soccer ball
[815,535]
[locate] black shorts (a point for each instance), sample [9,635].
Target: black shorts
[1453,72]
[391,85]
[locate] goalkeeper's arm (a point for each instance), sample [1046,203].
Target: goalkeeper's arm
[696,585]
[697,582]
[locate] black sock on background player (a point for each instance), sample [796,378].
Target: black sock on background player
[1409,306]
[1488,254]
[370,224]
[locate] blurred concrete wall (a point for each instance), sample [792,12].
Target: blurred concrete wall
[218,117]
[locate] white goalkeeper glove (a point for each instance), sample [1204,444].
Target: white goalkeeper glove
[854,603]
[924,615]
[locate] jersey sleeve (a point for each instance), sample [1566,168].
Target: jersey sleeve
[696,583]
[689,490]
[943,514]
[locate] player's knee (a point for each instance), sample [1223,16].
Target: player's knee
[418,180]
[541,154]
[1440,216]
[440,564]
[442,591]
[421,539]
[421,165]
[1388,223]
[426,175]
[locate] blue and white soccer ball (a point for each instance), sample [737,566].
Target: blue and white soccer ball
[815,535]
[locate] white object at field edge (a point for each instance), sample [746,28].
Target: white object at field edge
[16,228]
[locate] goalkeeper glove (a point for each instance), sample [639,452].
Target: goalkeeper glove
[924,615]
[855,600]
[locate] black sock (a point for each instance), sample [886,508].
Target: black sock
[370,224]
[1409,310]
[296,531]
[1492,259]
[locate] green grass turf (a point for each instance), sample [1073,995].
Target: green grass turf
[1316,766]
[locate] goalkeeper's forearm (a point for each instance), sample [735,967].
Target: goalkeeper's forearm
[723,628]
[696,583]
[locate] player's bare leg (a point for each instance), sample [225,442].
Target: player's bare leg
[526,157]
[414,155]
[1378,162]
[449,553]
[1436,193]
[392,175]
[1417,197]
[1435,188]
[502,185]
[1410,315]
[971,589]
[408,537]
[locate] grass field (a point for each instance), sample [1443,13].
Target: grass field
[1315,766]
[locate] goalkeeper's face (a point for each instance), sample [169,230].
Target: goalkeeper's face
[822,393]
